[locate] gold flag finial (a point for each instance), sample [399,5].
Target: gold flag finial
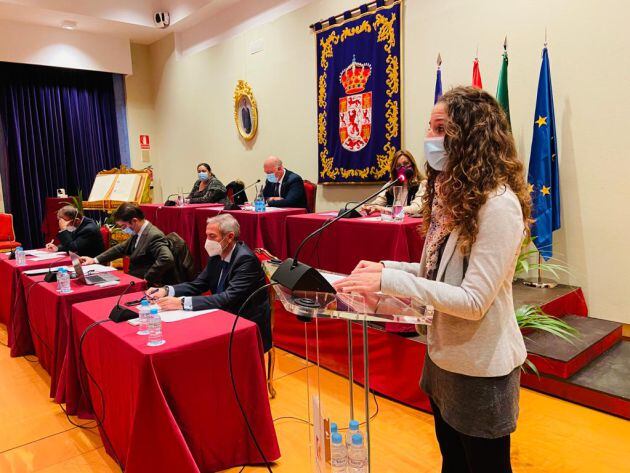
[505,44]
[439,60]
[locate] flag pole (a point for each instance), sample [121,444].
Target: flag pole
[539,282]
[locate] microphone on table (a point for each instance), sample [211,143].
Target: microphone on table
[51,276]
[297,276]
[233,205]
[170,203]
[12,253]
[120,313]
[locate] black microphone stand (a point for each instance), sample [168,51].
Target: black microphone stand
[297,276]
[119,313]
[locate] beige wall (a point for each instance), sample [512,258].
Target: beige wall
[191,111]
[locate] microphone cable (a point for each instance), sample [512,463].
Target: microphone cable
[233,380]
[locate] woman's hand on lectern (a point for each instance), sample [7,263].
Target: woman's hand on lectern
[368,267]
[360,282]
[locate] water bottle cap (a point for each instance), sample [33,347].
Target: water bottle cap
[154,310]
[354,425]
[333,427]
[336,438]
[144,302]
[19,248]
[357,439]
[62,270]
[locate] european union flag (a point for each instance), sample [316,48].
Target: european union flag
[543,177]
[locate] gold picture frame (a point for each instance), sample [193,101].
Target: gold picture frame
[245,111]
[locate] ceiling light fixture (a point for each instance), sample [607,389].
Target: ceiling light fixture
[69,25]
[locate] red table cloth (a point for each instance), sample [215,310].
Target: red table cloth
[10,285]
[171,408]
[342,245]
[50,225]
[258,229]
[44,313]
[180,220]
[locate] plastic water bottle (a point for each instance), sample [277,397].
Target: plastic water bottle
[333,428]
[20,256]
[259,203]
[63,281]
[145,313]
[357,455]
[155,329]
[338,454]
[353,428]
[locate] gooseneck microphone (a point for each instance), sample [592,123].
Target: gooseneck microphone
[50,275]
[170,203]
[233,205]
[120,313]
[298,276]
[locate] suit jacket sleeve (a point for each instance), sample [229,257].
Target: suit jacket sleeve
[295,194]
[115,252]
[239,287]
[193,288]
[84,239]
[164,260]
[492,260]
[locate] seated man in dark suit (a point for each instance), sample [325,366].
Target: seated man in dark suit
[283,188]
[77,233]
[232,274]
[149,252]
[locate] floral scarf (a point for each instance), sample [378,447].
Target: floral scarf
[439,228]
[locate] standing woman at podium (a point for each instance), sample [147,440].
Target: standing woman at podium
[476,213]
[207,189]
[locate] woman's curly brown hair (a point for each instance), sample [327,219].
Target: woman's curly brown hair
[481,156]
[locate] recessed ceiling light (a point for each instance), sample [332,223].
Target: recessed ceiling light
[69,25]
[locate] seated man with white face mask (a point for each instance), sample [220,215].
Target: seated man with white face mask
[77,233]
[232,274]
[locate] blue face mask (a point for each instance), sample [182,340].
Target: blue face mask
[128,231]
[203,176]
[434,153]
[271,177]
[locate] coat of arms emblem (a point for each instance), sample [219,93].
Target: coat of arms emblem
[355,109]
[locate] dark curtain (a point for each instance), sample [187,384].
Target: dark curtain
[59,130]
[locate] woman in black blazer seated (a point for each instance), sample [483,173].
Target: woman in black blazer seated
[77,233]
[283,188]
[207,189]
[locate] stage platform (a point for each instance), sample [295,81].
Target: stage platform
[584,372]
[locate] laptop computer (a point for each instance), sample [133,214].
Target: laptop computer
[92,279]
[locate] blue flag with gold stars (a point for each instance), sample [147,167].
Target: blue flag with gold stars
[543,178]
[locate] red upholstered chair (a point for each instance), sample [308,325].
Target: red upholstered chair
[105,234]
[310,189]
[7,234]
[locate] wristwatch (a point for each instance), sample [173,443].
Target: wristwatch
[181,299]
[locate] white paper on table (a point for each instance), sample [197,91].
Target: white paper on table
[177,315]
[42,253]
[89,269]
[47,256]
[329,214]
[273,209]
[33,272]
[376,219]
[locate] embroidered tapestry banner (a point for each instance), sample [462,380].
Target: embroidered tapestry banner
[358,95]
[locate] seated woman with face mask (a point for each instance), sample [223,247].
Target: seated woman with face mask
[77,233]
[208,189]
[403,163]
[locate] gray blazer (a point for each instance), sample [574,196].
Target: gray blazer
[151,259]
[474,329]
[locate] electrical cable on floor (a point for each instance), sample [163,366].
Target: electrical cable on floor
[86,392]
[233,380]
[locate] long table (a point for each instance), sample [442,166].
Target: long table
[180,220]
[44,314]
[172,408]
[11,285]
[342,245]
[258,229]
